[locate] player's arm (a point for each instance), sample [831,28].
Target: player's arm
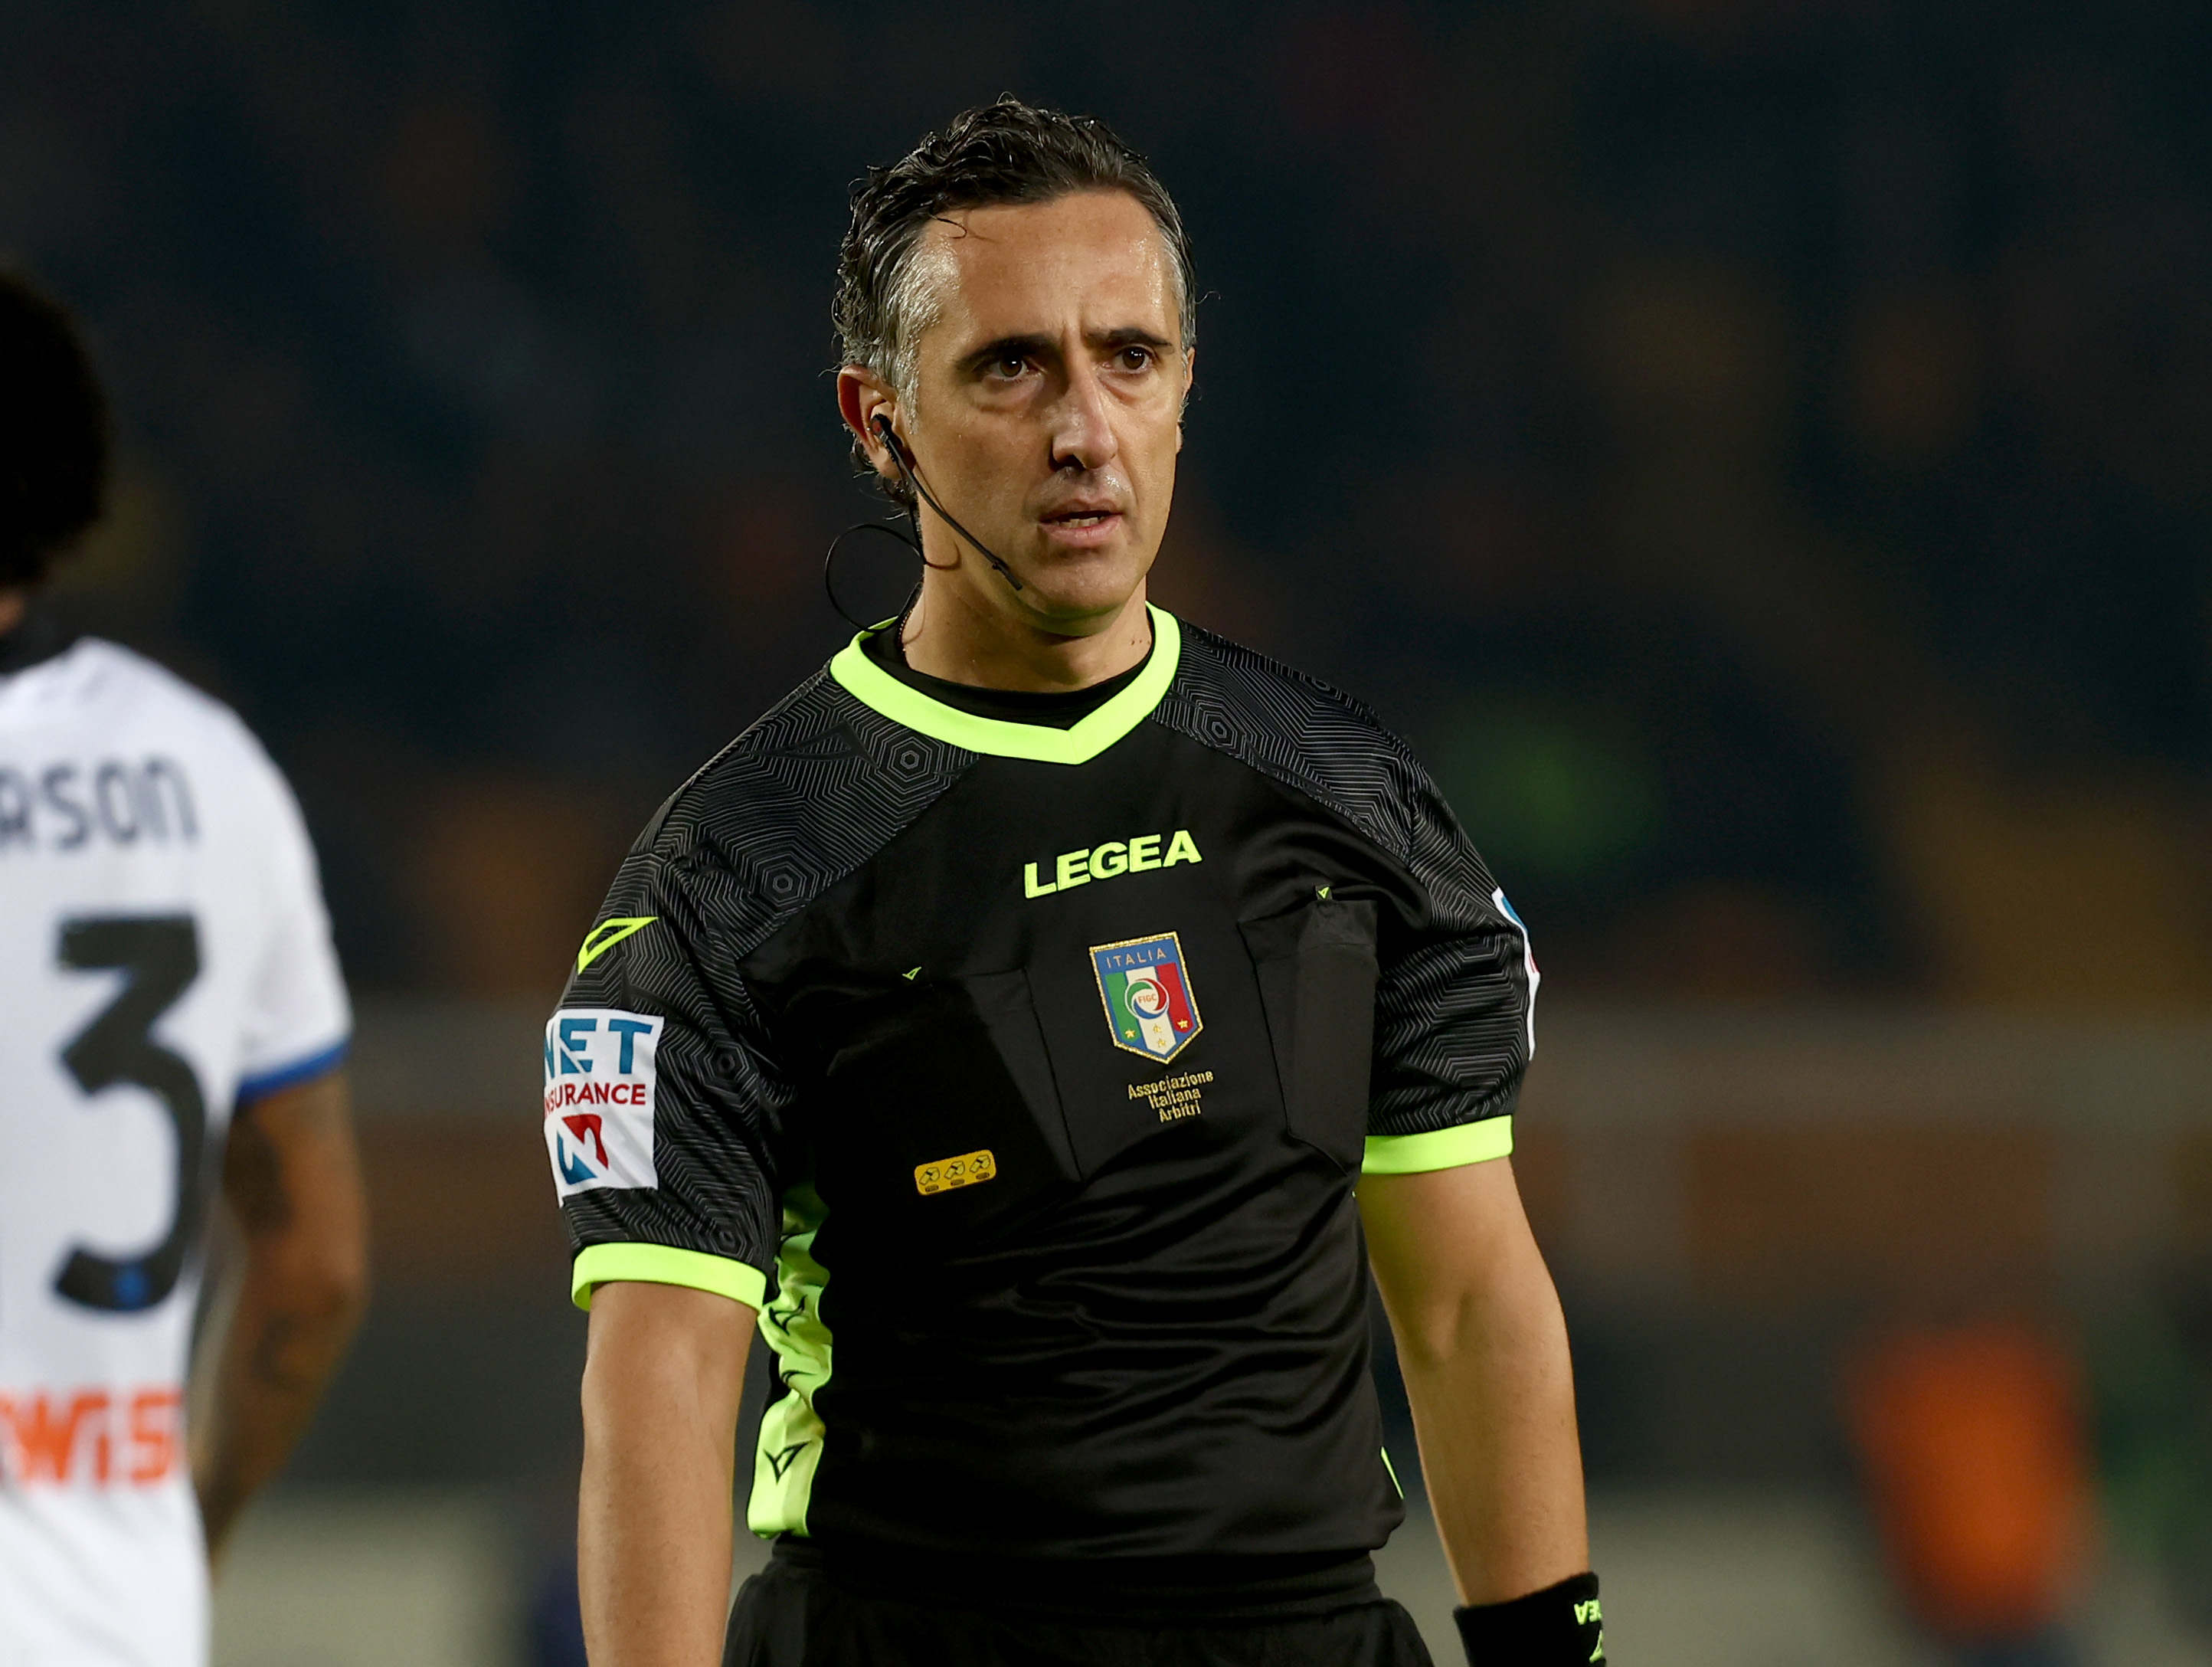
[1483,1348]
[663,1377]
[292,1176]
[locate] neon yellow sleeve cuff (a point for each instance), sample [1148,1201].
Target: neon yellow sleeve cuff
[1442,1148]
[664,1264]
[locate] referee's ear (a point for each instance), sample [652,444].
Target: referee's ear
[1189,380]
[862,397]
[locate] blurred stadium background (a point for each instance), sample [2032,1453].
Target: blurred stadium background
[1761,453]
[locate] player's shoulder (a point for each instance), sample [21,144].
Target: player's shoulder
[96,681]
[1296,728]
[805,794]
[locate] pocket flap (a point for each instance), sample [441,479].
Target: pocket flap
[1317,969]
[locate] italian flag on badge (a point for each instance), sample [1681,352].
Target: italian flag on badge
[1145,984]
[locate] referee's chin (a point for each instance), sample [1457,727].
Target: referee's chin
[1064,593]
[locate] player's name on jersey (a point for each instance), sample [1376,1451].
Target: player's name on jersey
[70,804]
[91,1437]
[1138,854]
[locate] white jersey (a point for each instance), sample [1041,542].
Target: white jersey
[164,955]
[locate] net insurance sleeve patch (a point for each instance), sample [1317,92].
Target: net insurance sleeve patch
[599,1097]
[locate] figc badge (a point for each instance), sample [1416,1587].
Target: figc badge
[1145,984]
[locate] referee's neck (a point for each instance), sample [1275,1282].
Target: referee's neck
[953,635]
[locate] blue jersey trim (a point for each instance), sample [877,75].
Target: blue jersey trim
[291,1076]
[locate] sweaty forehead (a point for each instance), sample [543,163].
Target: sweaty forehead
[1095,260]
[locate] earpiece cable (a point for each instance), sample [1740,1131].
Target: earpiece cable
[906,467]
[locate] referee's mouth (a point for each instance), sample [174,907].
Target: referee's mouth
[1083,524]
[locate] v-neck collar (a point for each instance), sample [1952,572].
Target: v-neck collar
[1080,743]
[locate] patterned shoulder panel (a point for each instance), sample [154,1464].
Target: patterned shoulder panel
[1454,1029]
[800,799]
[1333,749]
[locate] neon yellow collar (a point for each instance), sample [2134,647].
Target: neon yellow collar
[870,685]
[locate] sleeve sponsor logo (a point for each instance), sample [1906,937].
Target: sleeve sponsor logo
[599,1097]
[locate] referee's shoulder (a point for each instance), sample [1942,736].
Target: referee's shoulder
[1290,724]
[806,792]
[723,790]
[1315,739]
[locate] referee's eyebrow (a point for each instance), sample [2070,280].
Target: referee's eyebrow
[1128,335]
[1041,346]
[1010,347]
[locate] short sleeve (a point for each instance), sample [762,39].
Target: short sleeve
[296,1022]
[1454,1003]
[664,1099]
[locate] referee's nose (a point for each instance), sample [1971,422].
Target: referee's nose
[1083,436]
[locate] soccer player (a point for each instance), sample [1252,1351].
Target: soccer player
[1041,1021]
[175,1018]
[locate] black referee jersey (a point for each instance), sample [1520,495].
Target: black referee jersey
[1021,1075]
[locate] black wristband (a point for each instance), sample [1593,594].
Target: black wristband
[1559,1626]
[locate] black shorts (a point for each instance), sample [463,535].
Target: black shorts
[792,1616]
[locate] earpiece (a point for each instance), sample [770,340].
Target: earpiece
[903,462]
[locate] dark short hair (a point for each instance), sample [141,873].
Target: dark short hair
[53,432]
[996,153]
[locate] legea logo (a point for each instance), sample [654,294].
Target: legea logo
[599,1097]
[1138,854]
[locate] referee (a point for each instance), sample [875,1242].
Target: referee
[1037,1025]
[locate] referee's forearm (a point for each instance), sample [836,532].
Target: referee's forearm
[1483,1348]
[1495,1416]
[661,1389]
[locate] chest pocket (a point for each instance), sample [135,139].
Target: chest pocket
[1317,969]
[944,1120]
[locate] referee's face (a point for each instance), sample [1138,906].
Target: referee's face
[1049,402]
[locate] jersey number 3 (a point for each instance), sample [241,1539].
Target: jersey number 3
[160,956]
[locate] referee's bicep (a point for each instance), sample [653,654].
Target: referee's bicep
[1454,1007]
[1450,1051]
[662,1097]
